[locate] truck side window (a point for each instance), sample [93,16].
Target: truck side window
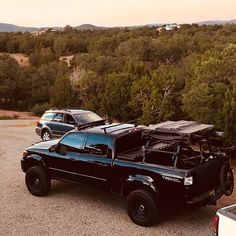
[98,145]
[73,141]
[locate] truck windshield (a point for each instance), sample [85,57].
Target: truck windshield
[129,142]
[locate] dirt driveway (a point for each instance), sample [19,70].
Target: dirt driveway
[73,210]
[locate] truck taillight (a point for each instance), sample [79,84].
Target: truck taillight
[215,224]
[37,123]
[188,181]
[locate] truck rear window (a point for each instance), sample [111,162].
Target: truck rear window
[129,142]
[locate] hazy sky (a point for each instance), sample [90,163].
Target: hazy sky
[113,13]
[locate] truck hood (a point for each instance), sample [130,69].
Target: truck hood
[43,145]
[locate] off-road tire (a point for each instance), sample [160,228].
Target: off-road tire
[227,180]
[37,181]
[142,207]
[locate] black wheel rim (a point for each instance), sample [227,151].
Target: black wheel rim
[228,180]
[140,210]
[34,183]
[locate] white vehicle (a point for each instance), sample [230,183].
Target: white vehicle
[224,222]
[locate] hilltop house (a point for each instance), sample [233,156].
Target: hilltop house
[169,27]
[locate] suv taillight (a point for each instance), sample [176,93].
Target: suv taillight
[37,123]
[215,225]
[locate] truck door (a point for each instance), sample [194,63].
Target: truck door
[63,162]
[96,161]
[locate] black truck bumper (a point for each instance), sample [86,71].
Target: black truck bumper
[207,198]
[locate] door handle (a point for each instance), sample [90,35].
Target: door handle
[103,164]
[72,159]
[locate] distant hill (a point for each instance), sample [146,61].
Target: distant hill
[217,22]
[89,27]
[4,27]
[14,28]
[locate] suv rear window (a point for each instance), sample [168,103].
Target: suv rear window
[48,116]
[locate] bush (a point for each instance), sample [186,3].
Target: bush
[6,117]
[39,109]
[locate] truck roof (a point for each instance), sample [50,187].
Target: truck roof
[114,129]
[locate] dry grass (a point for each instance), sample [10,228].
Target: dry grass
[30,124]
[17,115]
[21,59]
[67,59]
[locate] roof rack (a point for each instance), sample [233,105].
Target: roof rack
[115,125]
[68,108]
[75,108]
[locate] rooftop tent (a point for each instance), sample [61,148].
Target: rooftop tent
[181,127]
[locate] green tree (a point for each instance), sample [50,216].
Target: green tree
[61,92]
[60,45]
[11,85]
[116,97]
[42,57]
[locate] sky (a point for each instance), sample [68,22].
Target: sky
[113,12]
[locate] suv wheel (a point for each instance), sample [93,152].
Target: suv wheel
[37,181]
[46,135]
[142,207]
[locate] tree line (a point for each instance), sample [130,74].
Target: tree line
[125,73]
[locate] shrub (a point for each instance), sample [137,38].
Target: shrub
[39,109]
[6,117]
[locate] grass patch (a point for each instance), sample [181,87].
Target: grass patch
[6,117]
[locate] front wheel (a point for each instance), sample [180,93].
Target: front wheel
[46,136]
[37,181]
[142,207]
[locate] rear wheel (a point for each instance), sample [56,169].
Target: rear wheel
[37,181]
[142,207]
[46,135]
[227,180]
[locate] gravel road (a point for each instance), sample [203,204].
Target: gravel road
[73,210]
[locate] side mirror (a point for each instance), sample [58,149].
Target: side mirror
[52,148]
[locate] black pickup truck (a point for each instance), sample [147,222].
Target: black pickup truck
[143,164]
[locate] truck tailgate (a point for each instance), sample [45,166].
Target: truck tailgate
[206,176]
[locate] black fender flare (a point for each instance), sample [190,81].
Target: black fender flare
[138,181]
[32,160]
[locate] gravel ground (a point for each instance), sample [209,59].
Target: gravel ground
[73,210]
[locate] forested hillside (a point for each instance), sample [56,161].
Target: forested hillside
[189,73]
